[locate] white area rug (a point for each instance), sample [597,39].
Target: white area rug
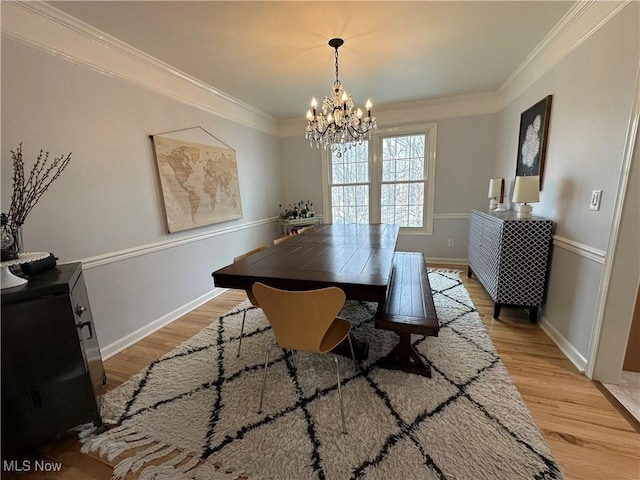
[193,413]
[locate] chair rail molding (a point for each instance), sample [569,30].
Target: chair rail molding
[586,251]
[451,216]
[112,257]
[41,26]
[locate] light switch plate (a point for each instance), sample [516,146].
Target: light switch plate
[595,199]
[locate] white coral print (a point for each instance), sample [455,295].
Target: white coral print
[531,144]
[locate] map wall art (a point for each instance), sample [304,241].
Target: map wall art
[199,183]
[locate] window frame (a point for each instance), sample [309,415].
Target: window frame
[429,130]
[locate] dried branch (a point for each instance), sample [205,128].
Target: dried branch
[26,194]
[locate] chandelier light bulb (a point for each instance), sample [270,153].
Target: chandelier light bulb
[339,124]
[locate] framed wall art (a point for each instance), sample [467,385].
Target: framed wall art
[532,143]
[198,178]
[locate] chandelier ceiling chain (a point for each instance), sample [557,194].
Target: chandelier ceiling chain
[337,125]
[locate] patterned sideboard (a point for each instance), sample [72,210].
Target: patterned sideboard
[510,257]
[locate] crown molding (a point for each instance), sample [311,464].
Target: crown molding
[416,112]
[39,25]
[583,19]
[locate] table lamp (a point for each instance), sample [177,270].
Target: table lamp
[526,191]
[496,194]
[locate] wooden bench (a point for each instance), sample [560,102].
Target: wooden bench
[409,309]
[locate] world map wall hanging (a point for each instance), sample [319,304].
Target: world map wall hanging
[199,181]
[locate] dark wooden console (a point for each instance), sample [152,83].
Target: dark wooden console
[52,372]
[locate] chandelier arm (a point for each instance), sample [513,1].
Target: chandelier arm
[315,128]
[356,132]
[342,127]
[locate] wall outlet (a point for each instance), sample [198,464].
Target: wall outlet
[450,243]
[594,204]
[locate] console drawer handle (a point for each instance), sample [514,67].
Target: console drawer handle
[81,325]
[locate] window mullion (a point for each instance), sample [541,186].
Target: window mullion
[375,167]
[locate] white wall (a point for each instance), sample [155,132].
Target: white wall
[593,89]
[106,208]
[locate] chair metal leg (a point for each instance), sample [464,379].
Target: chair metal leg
[241,332]
[264,378]
[353,356]
[344,427]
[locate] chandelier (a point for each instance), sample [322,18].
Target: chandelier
[337,125]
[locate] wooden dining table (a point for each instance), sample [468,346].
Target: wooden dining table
[358,258]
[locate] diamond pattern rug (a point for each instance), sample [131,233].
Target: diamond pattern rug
[193,412]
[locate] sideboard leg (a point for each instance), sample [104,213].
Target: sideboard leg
[496,310]
[533,314]
[469,272]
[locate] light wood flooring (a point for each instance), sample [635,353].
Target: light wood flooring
[589,438]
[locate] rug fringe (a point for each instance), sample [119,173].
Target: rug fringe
[179,465]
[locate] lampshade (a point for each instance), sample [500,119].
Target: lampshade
[495,187]
[526,189]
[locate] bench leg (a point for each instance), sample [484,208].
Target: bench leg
[404,357]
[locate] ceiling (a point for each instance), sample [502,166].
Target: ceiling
[275,57]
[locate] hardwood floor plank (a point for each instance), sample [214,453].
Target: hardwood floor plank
[587,436]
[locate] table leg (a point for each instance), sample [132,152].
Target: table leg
[405,357]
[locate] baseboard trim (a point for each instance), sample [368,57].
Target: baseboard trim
[578,360]
[134,337]
[452,261]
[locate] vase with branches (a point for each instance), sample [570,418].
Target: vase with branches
[27,190]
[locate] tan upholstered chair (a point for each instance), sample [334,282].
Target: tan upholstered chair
[305,321]
[250,296]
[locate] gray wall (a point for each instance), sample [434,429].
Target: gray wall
[465,151]
[106,208]
[108,201]
[593,90]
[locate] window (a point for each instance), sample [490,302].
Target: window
[389,179]
[350,185]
